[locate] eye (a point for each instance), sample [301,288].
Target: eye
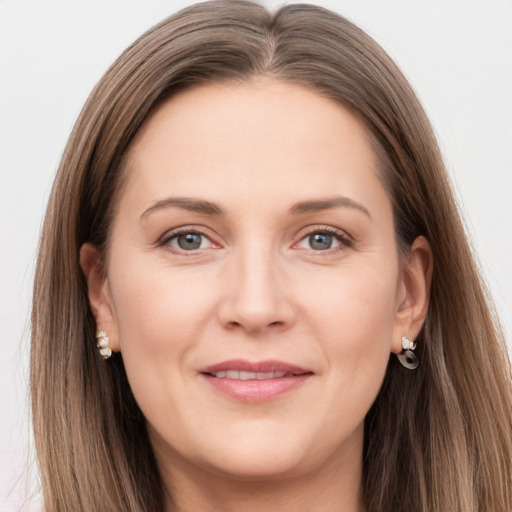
[323,240]
[187,241]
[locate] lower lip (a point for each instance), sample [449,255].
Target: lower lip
[256,390]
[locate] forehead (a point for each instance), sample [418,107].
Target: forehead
[263,137]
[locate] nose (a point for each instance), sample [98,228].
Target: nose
[256,298]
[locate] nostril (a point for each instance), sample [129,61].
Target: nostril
[255,314]
[234,325]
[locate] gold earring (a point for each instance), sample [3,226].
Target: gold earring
[102,344]
[406,356]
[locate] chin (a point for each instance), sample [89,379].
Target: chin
[254,451]
[270,454]
[261,465]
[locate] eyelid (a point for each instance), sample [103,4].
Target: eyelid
[342,236]
[164,240]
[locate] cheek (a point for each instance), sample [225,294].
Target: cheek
[352,320]
[156,306]
[160,315]
[356,302]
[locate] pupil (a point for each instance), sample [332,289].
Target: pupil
[190,241]
[320,241]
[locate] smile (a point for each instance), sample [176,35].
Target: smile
[241,375]
[254,382]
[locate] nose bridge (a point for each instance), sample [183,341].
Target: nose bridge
[256,279]
[256,298]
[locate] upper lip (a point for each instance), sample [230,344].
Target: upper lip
[256,367]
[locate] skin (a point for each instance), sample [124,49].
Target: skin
[256,289]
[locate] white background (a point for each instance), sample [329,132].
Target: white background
[456,53]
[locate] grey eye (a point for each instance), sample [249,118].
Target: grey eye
[320,241]
[189,241]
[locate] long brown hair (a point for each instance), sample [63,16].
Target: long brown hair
[437,439]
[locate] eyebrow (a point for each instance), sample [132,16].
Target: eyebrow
[318,205]
[186,203]
[300,208]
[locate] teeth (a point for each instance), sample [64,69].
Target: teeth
[242,375]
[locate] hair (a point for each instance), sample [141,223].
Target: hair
[436,439]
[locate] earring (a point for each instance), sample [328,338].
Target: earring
[407,357]
[102,344]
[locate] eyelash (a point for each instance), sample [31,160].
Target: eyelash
[344,240]
[165,240]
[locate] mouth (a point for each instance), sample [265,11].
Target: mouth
[254,382]
[243,375]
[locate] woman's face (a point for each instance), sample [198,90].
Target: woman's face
[253,283]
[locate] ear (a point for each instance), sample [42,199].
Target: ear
[413,292]
[98,290]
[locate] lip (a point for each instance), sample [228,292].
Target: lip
[256,367]
[256,390]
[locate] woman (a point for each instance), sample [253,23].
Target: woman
[250,220]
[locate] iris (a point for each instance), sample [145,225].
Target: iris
[320,241]
[189,241]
